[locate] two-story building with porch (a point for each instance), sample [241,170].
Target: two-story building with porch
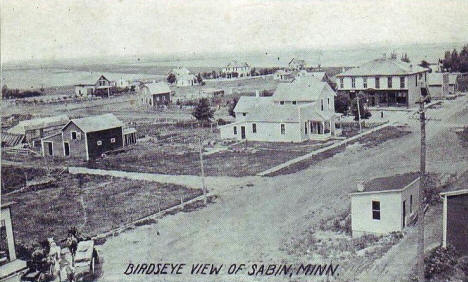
[236,69]
[387,82]
[298,111]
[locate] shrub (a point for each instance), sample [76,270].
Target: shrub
[441,261]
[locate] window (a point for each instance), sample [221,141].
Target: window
[73,135]
[283,129]
[364,82]
[402,82]
[389,82]
[281,102]
[99,142]
[416,80]
[377,82]
[244,114]
[254,128]
[420,76]
[341,83]
[294,102]
[321,104]
[112,140]
[235,130]
[305,127]
[376,210]
[411,204]
[353,82]
[328,99]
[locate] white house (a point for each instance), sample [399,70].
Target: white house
[387,82]
[298,111]
[154,94]
[184,77]
[296,64]
[385,204]
[282,75]
[235,69]
[438,84]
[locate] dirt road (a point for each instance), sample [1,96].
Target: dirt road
[250,224]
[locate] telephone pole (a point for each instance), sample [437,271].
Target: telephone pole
[202,171]
[422,179]
[359,112]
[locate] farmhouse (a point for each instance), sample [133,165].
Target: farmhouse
[455,219]
[387,82]
[235,69]
[31,131]
[102,87]
[298,111]
[438,84]
[384,205]
[9,264]
[184,77]
[88,138]
[296,64]
[154,94]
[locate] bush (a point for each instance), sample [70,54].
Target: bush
[440,262]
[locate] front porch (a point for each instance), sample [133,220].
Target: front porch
[319,130]
[385,98]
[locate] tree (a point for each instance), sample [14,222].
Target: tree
[404,58]
[232,105]
[171,78]
[203,111]
[342,103]
[4,91]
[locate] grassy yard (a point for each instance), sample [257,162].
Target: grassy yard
[97,205]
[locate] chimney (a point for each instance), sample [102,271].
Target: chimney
[360,186]
[257,93]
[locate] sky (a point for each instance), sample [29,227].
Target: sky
[50,29]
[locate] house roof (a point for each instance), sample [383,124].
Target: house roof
[390,183]
[37,123]
[97,123]
[180,71]
[384,67]
[235,63]
[246,103]
[157,88]
[307,88]
[11,140]
[318,74]
[455,193]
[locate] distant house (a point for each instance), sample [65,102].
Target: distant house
[211,92]
[102,87]
[296,64]
[236,69]
[455,219]
[385,204]
[34,129]
[453,83]
[184,77]
[438,84]
[154,94]
[87,138]
[386,82]
[9,264]
[282,75]
[298,111]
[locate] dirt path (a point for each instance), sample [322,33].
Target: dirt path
[252,223]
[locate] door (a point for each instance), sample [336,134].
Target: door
[404,214]
[66,147]
[243,132]
[48,148]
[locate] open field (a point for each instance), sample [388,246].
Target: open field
[96,205]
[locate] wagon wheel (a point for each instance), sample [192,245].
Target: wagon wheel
[92,266]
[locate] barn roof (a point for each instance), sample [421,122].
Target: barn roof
[384,67]
[97,123]
[306,88]
[37,123]
[157,88]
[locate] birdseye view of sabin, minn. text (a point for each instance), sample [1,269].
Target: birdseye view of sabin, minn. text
[248,140]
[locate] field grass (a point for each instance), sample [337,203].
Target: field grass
[99,204]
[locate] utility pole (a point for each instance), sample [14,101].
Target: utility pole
[422,119]
[202,171]
[359,113]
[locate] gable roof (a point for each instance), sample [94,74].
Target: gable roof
[247,103]
[96,123]
[384,67]
[157,88]
[455,193]
[38,123]
[306,88]
[180,71]
[235,63]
